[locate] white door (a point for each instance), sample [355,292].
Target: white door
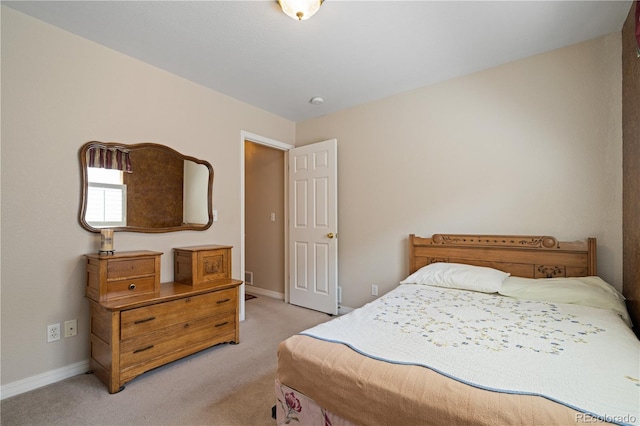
[313,226]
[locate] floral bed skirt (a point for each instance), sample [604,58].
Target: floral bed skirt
[292,406]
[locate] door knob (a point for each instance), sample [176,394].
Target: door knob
[330,235]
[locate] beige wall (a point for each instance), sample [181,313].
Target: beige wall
[58,92]
[264,194]
[530,147]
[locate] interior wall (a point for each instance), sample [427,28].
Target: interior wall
[264,196]
[60,91]
[530,147]
[631,166]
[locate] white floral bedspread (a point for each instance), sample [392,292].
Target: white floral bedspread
[582,357]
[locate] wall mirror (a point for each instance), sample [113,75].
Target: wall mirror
[143,187]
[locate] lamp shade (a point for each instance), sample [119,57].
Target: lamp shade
[300,9]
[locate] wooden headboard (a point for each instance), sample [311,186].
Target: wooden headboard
[520,255]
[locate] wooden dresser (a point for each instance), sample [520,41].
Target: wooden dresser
[138,324]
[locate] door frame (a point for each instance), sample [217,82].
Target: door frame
[285,147]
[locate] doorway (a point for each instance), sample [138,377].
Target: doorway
[264,224]
[263,259]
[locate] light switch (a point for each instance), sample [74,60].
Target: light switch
[215,215]
[273,217]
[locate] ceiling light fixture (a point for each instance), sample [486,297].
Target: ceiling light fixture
[316,100]
[300,9]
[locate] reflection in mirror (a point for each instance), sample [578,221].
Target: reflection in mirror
[106,198]
[143,188]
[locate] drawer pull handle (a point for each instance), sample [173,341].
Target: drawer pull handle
[144,320]
[132,286]
[143,349]
[222,301]
[221,324]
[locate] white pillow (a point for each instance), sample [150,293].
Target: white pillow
[457,275]
[588,291]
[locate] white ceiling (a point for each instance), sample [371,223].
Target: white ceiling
[349,53]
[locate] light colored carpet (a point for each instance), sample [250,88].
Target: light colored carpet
[224,385]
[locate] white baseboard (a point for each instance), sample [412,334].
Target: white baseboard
[344,310]
[263,292]
[43,379]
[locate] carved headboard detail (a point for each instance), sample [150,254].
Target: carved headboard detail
[494,240]
[520,255]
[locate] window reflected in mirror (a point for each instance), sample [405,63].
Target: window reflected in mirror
[106,198]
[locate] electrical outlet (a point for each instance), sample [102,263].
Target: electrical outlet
[374,290]
[53,332]
[70,328]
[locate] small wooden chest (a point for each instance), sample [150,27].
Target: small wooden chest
[198,265]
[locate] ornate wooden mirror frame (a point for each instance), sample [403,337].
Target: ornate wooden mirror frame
[157,181]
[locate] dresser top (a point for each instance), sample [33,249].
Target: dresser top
[203,248]
[168,291]
[123,254]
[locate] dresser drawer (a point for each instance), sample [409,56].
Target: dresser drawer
[130,287]
[144,320]
[186,337]
[118,269]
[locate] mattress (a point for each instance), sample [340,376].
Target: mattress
[367,391]
[365,388]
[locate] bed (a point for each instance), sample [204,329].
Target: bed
[485,330]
